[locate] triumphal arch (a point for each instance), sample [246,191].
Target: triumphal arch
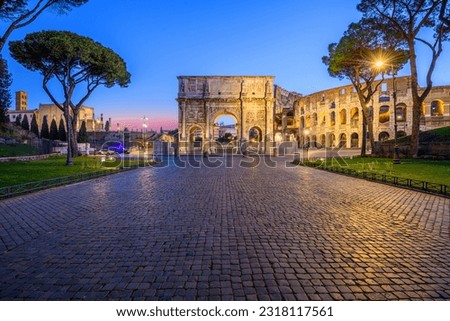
[249,100]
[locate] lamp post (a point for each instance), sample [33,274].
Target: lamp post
[305,139]
[305,146]
[144,126]
[396,157]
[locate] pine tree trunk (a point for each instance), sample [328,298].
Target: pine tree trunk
[416,104]
[364,138]
[69,161]
[371,136]
[74,135]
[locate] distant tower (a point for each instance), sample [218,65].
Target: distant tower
[21,100]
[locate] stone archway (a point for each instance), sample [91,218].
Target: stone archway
[224,136]
[255,139]
[354,140]
[248,99]
[383,136]
[195,139]
[331,140]
[342,140]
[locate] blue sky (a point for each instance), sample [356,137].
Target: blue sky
[160,40]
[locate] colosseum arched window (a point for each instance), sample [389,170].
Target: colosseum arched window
[323,120]
[401,112]
[354,116]
[343,117]
[354,140]
[384,98]
[332,118]
[384,114]
[437,108]
[314,119]
[383,136]
[342,140]
[322,140]
[332,140]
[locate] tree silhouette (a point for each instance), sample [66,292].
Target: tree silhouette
[412,23]
[62,131]
[444,14]
[18,121]
[20,13]
[25,124]
[82,135]
[354,57]
[45,133]
[34,126]
[5,95]
[69,60]
[53,130]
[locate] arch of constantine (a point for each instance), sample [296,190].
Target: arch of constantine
[249,100]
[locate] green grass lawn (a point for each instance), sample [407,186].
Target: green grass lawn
[13,173]
[424,170]
[16,150]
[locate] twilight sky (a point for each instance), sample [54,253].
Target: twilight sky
[160,40]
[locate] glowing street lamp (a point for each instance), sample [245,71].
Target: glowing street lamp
[379,64]
[306,132]
[144,125]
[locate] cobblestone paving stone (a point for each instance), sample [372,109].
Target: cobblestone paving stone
[223,233]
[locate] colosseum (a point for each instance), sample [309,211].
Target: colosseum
[333,117]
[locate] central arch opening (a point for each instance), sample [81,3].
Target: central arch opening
[225,134]
[225,129]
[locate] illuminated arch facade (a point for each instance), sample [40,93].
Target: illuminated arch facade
[203,99]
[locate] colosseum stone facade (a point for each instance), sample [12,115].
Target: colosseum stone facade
[333,117]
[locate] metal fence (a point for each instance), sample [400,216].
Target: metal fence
[440,189]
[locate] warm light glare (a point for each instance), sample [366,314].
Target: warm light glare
[379,63]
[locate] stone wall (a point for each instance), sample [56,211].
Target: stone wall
[434,150]
[23,158]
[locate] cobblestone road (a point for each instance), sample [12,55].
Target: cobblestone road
[225,234]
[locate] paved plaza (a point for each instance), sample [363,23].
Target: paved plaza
[226,233]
